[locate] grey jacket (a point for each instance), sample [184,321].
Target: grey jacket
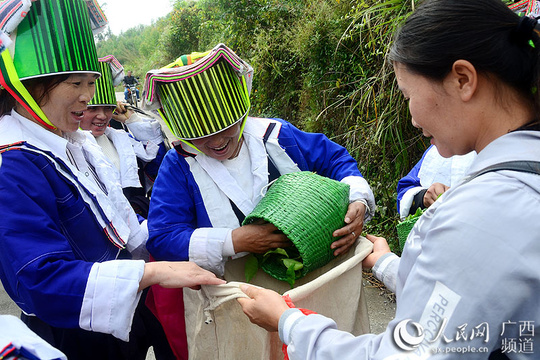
[468,279]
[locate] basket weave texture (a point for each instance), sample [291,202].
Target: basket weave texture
[307,208]
[403,230]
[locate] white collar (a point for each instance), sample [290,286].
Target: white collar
[42,138]
[38,136]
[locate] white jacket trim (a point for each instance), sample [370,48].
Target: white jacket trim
[111,297]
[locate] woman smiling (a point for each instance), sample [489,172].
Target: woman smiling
[72,248]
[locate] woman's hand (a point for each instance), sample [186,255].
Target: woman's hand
[354,218]
[264,308]
[433,193]
[258,238]
[380,247]
[121,113]
[177,274]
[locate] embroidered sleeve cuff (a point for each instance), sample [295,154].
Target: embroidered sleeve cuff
[111,296]
[14,334]
[361,191]
[207,246]
[287,322]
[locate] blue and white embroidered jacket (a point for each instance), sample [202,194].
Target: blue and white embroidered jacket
[60,234]
[191,216]
[432,168]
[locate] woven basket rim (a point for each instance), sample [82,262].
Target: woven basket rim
[403,229]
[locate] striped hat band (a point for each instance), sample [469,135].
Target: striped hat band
[116,68]
[55,37]
[98,20]
[105,94]
[526,7]
[205,103]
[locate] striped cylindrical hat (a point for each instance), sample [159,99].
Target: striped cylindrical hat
[111,74]
[205,96]
[55,37]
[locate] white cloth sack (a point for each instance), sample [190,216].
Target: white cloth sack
[218,329]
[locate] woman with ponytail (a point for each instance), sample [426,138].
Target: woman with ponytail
[467,281]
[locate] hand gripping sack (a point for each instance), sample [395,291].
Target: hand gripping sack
[218,329]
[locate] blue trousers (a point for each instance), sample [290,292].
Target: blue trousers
[126,94]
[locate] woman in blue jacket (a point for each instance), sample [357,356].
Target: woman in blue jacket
[72,248]
[135,152]
[220,169]
[431,177]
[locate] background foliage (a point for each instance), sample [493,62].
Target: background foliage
[319,64]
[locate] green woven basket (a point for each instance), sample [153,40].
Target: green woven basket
[307,208]
[403,230]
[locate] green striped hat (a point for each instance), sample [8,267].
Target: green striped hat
[111,74]
[55,37]
[201,94]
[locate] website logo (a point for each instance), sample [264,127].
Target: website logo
[405,340]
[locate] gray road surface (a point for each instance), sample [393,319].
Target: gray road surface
[7,306]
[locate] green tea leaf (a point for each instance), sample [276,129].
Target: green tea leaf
[289,257]
[251,267]
[291,275]
[417,214]
[297,265]
[277,251]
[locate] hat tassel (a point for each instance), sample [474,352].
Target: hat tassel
[9,79]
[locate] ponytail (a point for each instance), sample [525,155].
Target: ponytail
[486,33]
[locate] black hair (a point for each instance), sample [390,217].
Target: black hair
[39,88]
[494,39]
[7,102]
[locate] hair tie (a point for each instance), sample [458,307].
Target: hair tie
[525,28]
